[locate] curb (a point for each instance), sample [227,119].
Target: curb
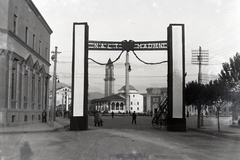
[36,131]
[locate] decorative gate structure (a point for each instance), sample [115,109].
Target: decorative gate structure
[174,45]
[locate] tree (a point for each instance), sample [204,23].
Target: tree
[195,95]
[202,96]
[216,96]
[230,80]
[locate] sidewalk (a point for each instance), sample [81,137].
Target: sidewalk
[227,130]
[59,124]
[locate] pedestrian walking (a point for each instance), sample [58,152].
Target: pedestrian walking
[96,119]
[44,116]
[112,114]
[134,117]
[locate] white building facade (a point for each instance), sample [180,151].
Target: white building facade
[136,99]
[116,103]
[63,97]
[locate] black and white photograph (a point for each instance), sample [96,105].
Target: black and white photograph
[119,80]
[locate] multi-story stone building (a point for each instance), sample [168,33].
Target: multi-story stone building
[24,62]
[153,98]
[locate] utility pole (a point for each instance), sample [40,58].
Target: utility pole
[54,58]
[200,57]
[200,66]
[127,70]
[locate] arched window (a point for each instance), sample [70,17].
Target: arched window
[121,106]
[113,106]
[117,106]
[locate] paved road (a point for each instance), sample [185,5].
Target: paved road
[118,139]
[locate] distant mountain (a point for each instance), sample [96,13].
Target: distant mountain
[58,85]
[95,95]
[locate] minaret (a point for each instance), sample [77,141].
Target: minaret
[109,78]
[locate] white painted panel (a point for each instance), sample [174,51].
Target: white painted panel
[78,87]
[177,72]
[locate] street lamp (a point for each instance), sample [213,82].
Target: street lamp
[129,68]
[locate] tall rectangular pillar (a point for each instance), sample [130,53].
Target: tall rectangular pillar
[79,119]
[176,78]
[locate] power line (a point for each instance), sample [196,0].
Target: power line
[106,63]
[148,62]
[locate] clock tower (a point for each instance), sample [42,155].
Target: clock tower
[109,78]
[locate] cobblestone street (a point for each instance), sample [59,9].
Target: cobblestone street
[117,139]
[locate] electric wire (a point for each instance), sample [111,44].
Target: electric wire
[147,62]
[107,63]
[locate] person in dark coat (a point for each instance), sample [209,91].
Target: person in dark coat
[112,114]
[44,116]
[97,118]
[134,117]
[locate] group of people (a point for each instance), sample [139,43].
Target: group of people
[98,118]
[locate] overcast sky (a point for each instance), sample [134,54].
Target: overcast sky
[212,24]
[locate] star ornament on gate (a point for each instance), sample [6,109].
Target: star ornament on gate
[128,45]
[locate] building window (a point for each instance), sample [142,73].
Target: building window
[26,86]
[25,118]
[39,49]
[13,81]
[113,106]
[46,92]
[13,118]
[39,93]
[121,106]
[137,103]
[137,108]
[26,34]
[155,100]
[117,106]
[131,103]
[12,85]
[15,24]
[33,90]
[33,41]
[133,95]
[131,108]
